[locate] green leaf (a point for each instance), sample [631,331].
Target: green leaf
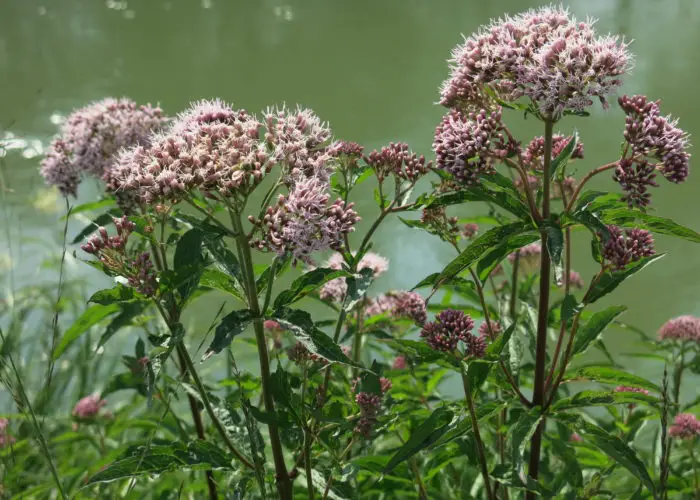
[503,199]
[610,444]
[282,390]
[594,327]
[93,226]
[479,247]
[610,280]
[130,310]
[124,381]
[189,261]
[602,398]
[563,157]
[300,324]
[491,259]
[224,257]
[434,278]
[626,217]
[90,317]
[555,247]
[211,231]
[569,308]
[505,475]
[476,373]
[520,434]
[119,293]
[493,351]
[596,201]
[156,459]
[307,283]
[357,287]
[218,280]
[607,375]
[283,264]
[234,323]
[422,353]
[93,205]
[437,424]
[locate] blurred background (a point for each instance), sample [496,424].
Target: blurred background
[370,68]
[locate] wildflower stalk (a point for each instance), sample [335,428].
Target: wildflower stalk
[483,464]
[284,485]
[567,287]
[543,309]
[665,445]
[35,423]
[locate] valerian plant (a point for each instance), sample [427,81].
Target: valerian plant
[346,399]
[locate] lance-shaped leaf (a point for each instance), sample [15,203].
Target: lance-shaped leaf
[119,293]
[609,281]
[188,262]
[564,156]
[626,217]
[307,283]
[607,375]
[503,199]
[603,398]
[589,332]
[357,287]
[491,259]
[302,327]
[90,317]
[437,424]
[234,323]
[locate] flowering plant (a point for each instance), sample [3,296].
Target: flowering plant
[348,402]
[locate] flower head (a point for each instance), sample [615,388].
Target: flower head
[493,331]
[466,144]
[91,136]
[544,54]
[625,247]
[470,230]
[450,327]
[88,407]
[685,426]
[397,159]
[575,280]
[400,305]
[399,363]
[303,222]
[683,328]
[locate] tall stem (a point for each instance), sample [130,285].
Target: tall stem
[543,309]
[284,485]
[477,437]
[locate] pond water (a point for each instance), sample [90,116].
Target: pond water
[372,69]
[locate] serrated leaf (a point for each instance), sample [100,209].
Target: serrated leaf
[234,323]
[491,259]
[188,262]
[589,332]
[429,431]
[157,459]
[480,246]
[301,325]
[626,217]
[520,434]
[611,280]
[218,280]
[225,258]
[90,317]
[569,308]
[602,398]
[129,311]
[494,349]
[503,199]
[564,156]
[119,293]
[306,284]
[607,375]
[357,287]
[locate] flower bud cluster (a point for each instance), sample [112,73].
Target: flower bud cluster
[113,254]
[299,354]
[466,144]
[5,438]
[657,143]
[369,404]
[399,305]
[627,246]
[449,328]
[396,159]
[88,407]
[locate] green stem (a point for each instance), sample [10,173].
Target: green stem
[538,398]
[35,423]
[483,464]
[284,485]
[696,476]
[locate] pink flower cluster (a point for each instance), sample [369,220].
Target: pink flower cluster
[88,407]
[544,54]
[209,147]
[303,221]
[656,143]
[398,160]
[683,328]
[5,438]
[336,289]
[369,404]
[113,254]
[495,329]
[91,136]
[533,155]
[625,247]
[685,426]
[399,305]
[299,354]
[449,328]
[466,144]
